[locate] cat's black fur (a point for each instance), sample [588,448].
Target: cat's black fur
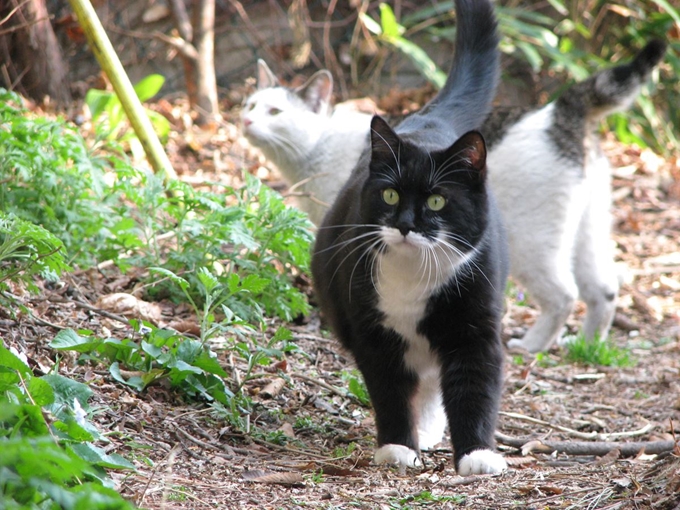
[461,321]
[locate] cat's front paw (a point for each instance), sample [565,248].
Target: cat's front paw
[482,462]
[397,454]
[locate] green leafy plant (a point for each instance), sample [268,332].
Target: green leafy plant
[597,353]
[247,239]
[390,32]
[427,499]
[158,354]
[109,116]
[51,178]
[356,386]
[51,463]
[26,250]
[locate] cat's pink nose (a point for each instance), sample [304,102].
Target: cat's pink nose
[247,122]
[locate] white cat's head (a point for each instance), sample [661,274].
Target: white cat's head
[278,119]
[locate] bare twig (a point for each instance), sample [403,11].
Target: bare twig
[581,435]
[332,389]
[91,308]
[595,448]
[184,47]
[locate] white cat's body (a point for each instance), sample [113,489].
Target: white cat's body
[557,218]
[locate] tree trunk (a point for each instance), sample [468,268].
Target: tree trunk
[33,64]
[197,50]
[206,82]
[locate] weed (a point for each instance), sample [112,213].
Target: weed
[341,453]
[356,386]
[108,115]
[26,250]
[544,360]
[597,353]
[48,455]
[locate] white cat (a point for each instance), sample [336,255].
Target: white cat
[550,178]
[314,148]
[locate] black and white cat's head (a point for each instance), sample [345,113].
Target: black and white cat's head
[277,116]
[421,200]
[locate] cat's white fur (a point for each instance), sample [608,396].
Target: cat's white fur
[557,217]
[403,296]
[298,133]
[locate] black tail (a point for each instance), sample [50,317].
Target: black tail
[612,89]
[465,100]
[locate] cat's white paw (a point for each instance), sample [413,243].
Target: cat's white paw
[482,462]
[517,343]
[397,454]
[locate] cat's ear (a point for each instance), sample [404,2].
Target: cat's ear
[317,92]
[384,141]
[471,150]
[265,78]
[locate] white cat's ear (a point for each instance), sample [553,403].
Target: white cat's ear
[384,141]
[317,92]
[265,78]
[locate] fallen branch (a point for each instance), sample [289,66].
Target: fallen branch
[581,435]
[595,448]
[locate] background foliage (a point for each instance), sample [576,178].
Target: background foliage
[562,41]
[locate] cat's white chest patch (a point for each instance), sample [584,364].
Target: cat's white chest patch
[406,276]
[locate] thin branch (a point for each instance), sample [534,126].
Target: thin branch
[185,48]
[12,12]
[91,308]
[332,389]
[581,435]
[596,448]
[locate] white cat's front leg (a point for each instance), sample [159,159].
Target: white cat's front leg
[397,454]
[482,462]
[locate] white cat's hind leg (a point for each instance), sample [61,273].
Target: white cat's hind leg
[555,295]
[594,266]
[397,454]
[482,462]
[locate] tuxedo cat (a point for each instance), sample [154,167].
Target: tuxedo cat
[545,167]
[295,129]
[410,266]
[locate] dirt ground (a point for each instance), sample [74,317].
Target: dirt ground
[574,435]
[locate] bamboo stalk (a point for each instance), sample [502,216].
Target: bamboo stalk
[108,60]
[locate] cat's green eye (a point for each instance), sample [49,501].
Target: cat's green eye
[390,196]
[436,202]
[274,111]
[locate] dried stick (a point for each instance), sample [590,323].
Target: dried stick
[578,434]
[595,448]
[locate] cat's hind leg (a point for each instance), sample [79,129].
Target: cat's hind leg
[550,283]
[429,410]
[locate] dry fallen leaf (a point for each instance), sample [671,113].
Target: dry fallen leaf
[129,306]
[273,388]
[260,476]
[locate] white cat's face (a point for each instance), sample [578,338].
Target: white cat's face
[276,117]
[286,123]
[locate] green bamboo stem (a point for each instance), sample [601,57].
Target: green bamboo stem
[110,63]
